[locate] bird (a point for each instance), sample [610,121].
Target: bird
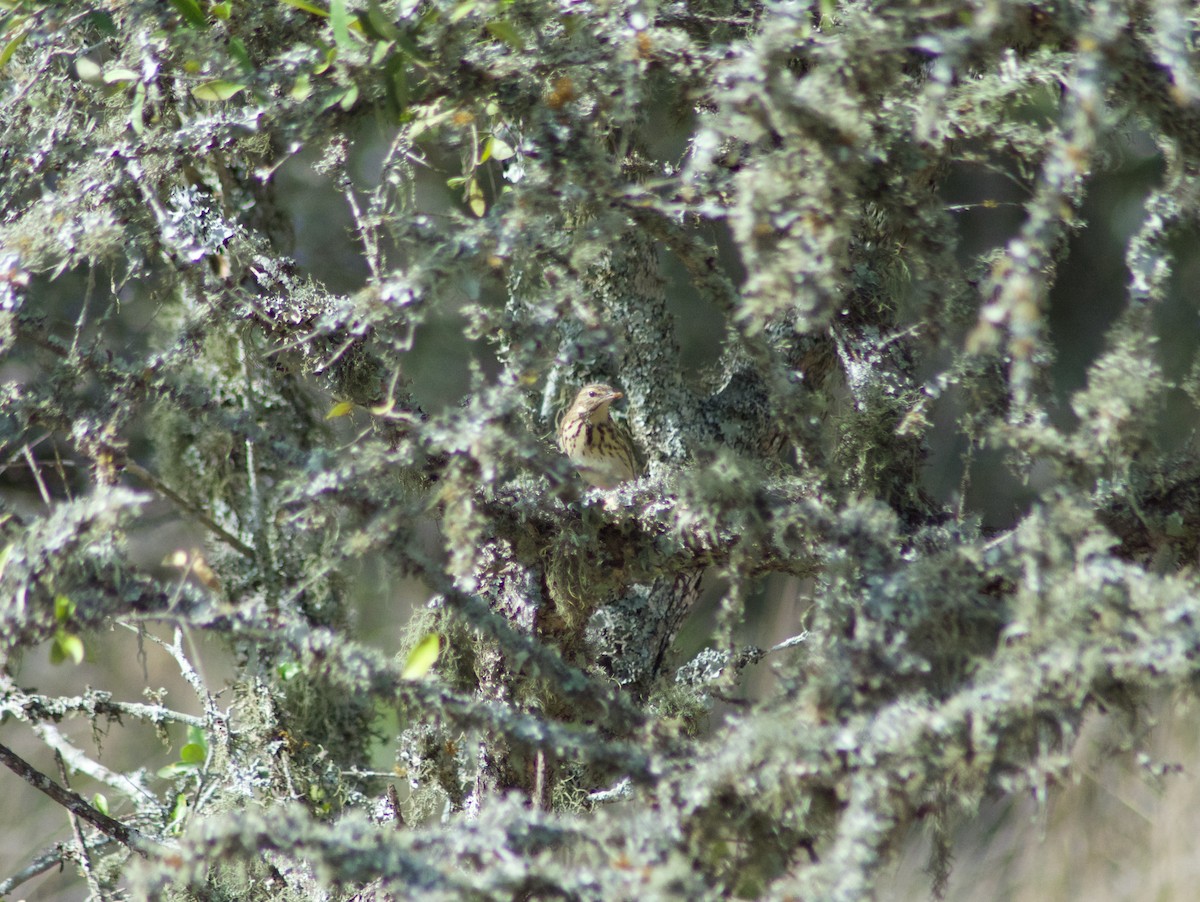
[600,449]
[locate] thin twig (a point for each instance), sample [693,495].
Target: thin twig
[37,476]
[30,707]
[81,849]
[208,522]
[51,858]
[394,801]
[77,804]
[77,760]
[214,720]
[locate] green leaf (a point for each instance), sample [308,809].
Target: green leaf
[475,198]
[495,149]
[349,98]
[193,754]
[506,32]
[289,670]
[423,656]
[100,803]
[340,409]
[381,51]
[380,22]
[66,646]
[397,82]
[103,23]
[499,150]
[136,110]
[217,90]
[191,12]
[463,10]
[341,24]
[302,88]
[222,10]
[116,76]
[241,56]
[64,608]
[11,47]
[178,814]
[307,7]
[409,48]
[326,61]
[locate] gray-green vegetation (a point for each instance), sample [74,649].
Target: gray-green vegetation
[553,193]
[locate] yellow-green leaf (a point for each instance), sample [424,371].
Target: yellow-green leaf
[116,76]
[495,149]
[423,656]
[191,12]
[340,409]
[463,10]
[64,608]
[192,753]
[240,54]
[507,33]
[100,802]
[475,199]
[66,646]
[308,8]
[289,670]
[217,90]
[10,48]
[380,22]
[327,59]
[302,88]
[178,814]
[138,107]
[341,24]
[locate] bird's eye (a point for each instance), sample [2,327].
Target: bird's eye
[591,394]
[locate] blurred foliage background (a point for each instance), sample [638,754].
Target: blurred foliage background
[1102,814]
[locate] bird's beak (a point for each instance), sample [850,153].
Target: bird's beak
[616,395]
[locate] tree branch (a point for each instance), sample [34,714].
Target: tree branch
[76,804]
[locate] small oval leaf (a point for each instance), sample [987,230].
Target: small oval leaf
[500,151]
[423,656]
[217,90]
[66,646]
[340,409]
[475,199]
[116,76]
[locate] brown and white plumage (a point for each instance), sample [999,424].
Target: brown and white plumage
[601,451]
